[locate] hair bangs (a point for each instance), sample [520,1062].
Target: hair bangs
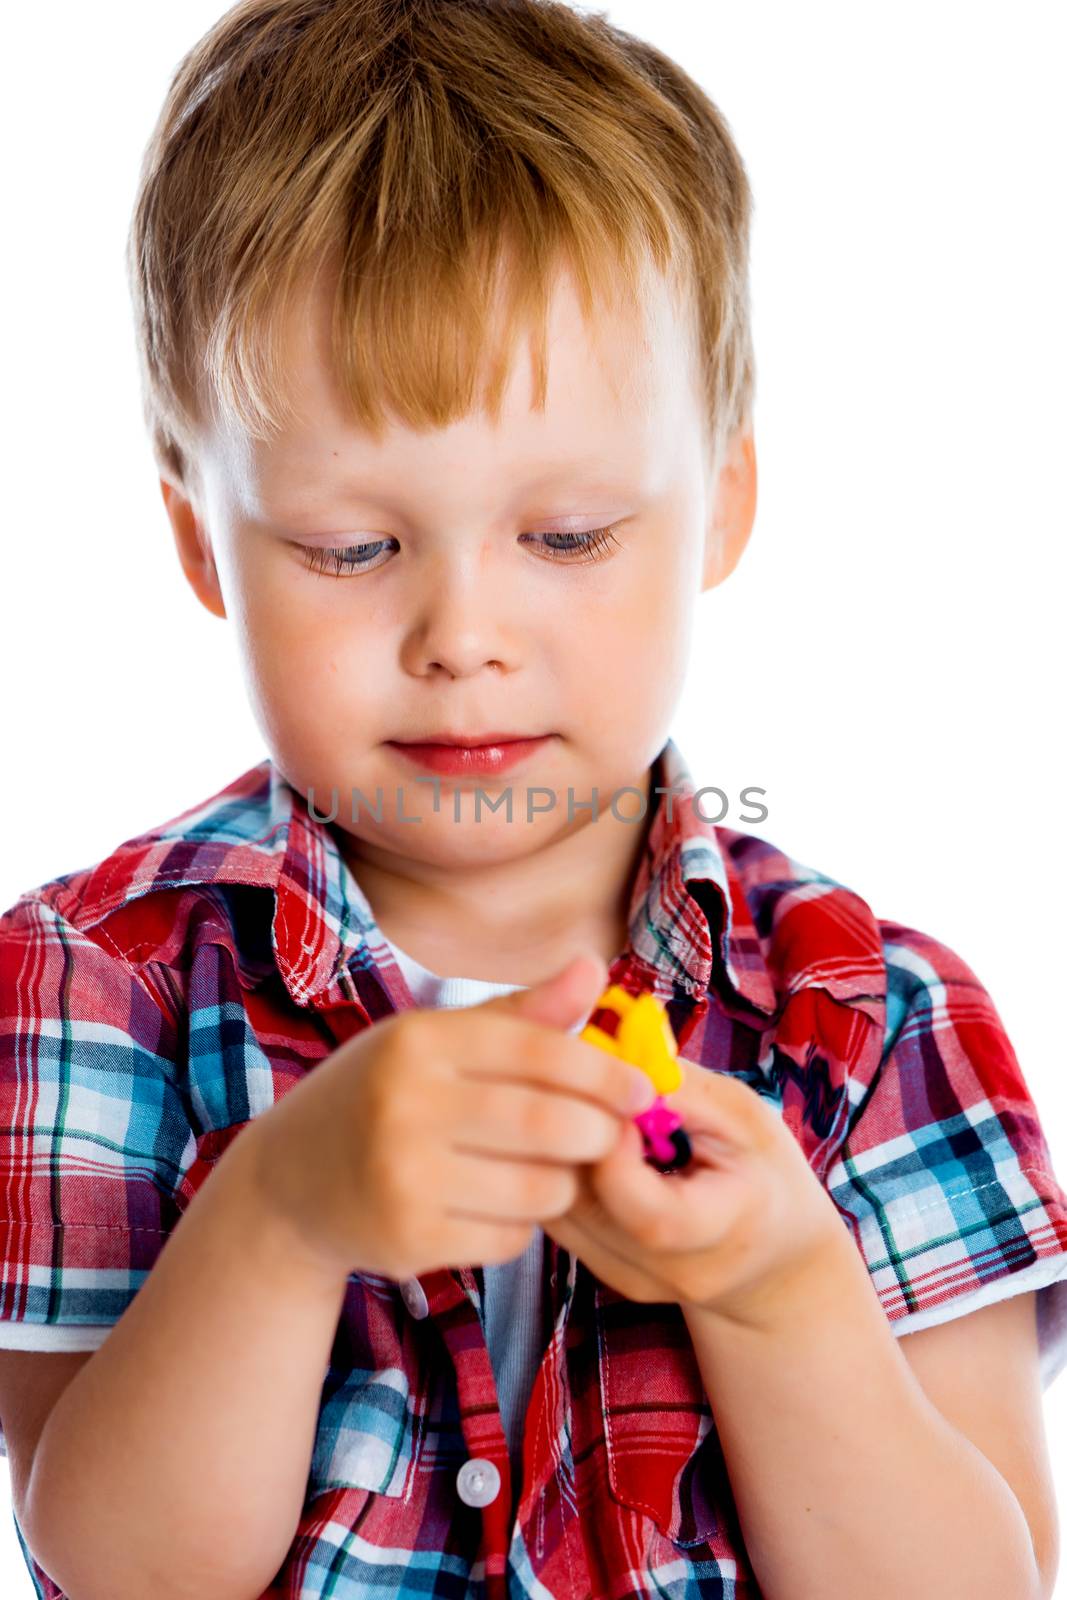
[434,167]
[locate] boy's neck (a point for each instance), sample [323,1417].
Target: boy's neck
[512,921]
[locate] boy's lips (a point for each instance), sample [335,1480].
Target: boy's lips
[493,752]
[469,741]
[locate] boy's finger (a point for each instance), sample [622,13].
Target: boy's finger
[503,1117]
[631,1190]
[715,1102]
[541,1055]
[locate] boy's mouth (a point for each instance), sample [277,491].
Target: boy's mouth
[458,753]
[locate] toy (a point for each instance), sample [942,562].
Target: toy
[636,1028]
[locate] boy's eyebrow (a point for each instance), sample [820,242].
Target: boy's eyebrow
[319,491]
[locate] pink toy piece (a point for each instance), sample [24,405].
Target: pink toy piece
[667,1145]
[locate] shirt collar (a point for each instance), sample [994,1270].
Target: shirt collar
[688,913]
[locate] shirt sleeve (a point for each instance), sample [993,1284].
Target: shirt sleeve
[50,1336]
[944,1173]
[95,1137]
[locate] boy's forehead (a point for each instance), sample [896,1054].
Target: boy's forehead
[619,388]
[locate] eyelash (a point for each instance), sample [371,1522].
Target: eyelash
[338,563]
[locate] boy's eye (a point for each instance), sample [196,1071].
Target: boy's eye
[350,558]
[589,546]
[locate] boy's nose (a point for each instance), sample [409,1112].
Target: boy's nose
[460,636]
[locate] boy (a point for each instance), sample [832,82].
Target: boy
[332,1265]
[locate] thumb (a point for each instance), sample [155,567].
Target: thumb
[565,998]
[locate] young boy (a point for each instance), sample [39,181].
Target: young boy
[332,1263]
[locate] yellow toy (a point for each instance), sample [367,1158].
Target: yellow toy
[636,1028]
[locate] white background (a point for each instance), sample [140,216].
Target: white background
[885,661]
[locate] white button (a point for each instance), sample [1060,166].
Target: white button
[478,1482]
[414,1298]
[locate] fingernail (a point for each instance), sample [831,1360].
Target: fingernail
[642,1092]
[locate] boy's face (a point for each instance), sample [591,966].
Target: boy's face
[467,611]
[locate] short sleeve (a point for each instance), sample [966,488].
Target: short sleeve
[944,1173]
[95,1137]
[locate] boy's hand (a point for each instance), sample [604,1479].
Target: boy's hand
[731,1233]
[441,1137]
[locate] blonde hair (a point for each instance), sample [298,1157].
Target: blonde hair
[427,154]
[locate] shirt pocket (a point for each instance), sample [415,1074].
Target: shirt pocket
[371,1415]
[366,1433]
[664,1457]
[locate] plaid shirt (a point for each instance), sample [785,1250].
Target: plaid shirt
[152,1005]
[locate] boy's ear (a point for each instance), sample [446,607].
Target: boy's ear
[194,547]
[733,509]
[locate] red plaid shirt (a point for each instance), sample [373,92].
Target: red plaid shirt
[152,1005]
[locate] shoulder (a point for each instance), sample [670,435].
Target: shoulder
[860,1002]
[816,930]
[140,904]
